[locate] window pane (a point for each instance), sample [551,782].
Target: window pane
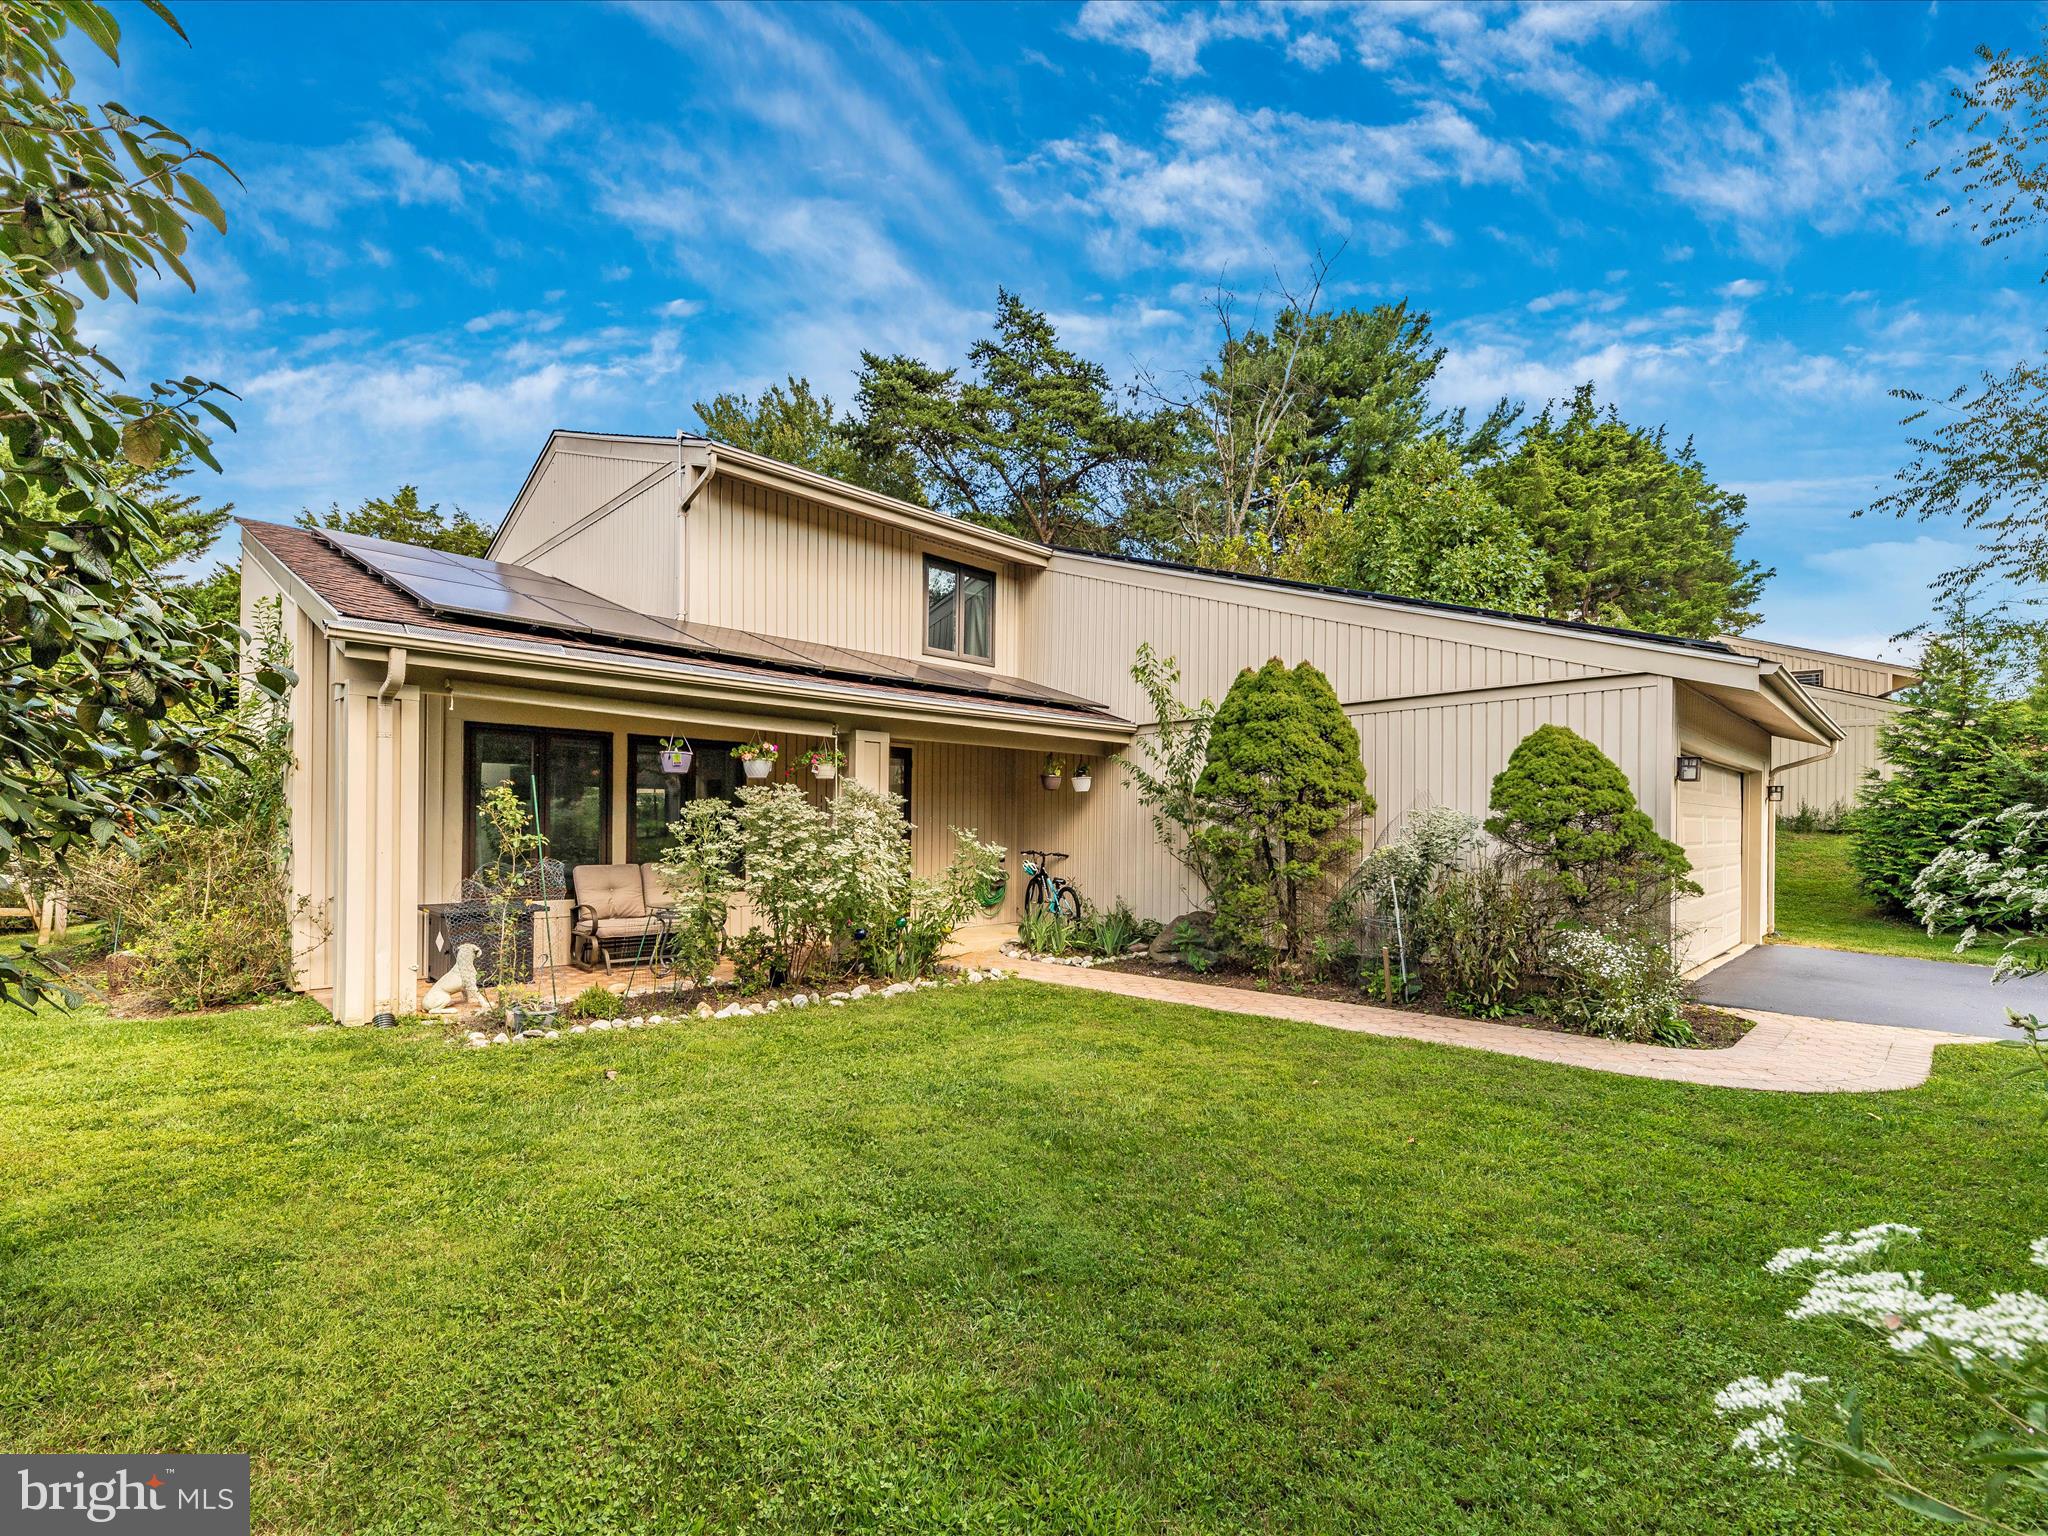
[574,804]
[716,774]
[657,800]
[940,584]
[498,757]
[977,615]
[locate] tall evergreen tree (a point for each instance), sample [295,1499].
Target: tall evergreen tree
[797,425]
[1280,792]
[1629,532]
[1971,741]
[1032,440]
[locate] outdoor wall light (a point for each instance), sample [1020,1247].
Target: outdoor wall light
[1774,791]
[1688,768]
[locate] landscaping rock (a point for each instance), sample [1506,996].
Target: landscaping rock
[577,1029]
[800,1001]
[858,992]
[703,1010]
[500,1038]
[1200,930]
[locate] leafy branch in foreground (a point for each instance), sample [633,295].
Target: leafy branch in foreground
[109,683]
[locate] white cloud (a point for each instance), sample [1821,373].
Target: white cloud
[1742,288]
[532,320]
[1172,40]
[1313,51]
[316,187]
[1471,47]
[1221,180]
[1779,158]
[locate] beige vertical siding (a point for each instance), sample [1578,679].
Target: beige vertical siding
[1085,620]
[307,781]
[1838,780]
[1844,674]
[767,561]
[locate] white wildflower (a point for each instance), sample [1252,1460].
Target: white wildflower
[1836,1251]
[1767,1438]
[2039,1251]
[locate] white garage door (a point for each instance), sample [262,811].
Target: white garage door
[1710,831]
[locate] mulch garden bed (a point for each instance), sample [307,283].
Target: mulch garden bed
[1713,1028]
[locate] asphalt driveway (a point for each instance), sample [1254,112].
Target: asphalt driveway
[1873,989]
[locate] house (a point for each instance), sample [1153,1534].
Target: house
[1857,694]
[647,587]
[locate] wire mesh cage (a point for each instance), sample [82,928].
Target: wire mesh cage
[476,919]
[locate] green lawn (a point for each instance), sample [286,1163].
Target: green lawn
[1819,904]
[1000,1258]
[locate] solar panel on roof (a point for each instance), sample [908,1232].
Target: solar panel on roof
[497,593]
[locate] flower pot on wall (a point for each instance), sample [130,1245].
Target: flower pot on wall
[677,760]
[1049,780]
[757,767]
[1083,782]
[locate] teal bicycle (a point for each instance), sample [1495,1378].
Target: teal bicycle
[1046,891]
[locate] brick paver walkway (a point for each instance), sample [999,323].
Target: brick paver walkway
[1783,1054]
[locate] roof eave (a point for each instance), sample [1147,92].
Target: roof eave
[806,693]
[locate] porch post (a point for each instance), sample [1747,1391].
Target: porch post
[869,765]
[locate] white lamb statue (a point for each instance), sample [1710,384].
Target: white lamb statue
[458,984]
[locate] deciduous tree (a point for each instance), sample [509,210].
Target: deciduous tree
[101,663]
[400,517]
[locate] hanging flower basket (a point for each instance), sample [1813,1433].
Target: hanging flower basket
[1054,773]
[1083,781]
[676,756]
[824,762]
[757,758]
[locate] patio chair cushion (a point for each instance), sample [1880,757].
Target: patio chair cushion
[624,928]
[610,891]
[654,888]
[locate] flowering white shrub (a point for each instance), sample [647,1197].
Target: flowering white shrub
[1402,867]
[1993,875]
[1997,1353]
[1623,988]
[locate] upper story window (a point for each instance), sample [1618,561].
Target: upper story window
[959,610]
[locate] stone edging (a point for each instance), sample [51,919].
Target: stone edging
[968,976]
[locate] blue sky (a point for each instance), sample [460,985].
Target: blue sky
[463,225]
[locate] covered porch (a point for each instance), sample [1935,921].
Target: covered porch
[421,734]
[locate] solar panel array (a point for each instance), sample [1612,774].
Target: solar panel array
[492,592]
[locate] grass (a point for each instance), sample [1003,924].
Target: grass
[1002,1258]
[1819,904]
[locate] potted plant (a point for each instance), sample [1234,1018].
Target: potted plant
[676,755]
[824,762]
[1055,770]
[757,758]
[1083,779]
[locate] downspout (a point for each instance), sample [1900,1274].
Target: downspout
[394,674]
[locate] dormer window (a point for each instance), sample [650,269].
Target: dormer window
[959,610]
